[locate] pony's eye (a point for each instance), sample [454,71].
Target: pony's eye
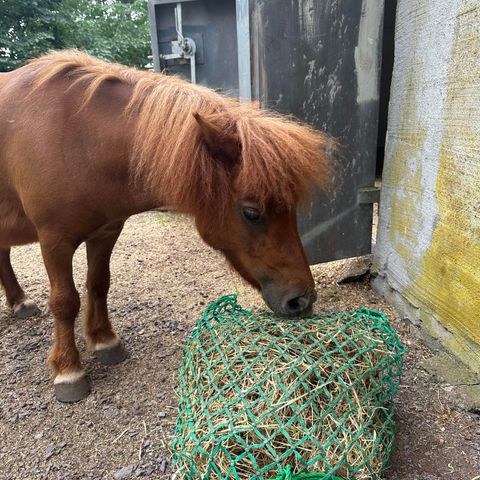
[252,214]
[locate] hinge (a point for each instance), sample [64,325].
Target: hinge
[368,195]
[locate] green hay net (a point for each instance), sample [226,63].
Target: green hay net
[265,398]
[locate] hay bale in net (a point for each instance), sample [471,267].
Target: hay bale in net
[263,398]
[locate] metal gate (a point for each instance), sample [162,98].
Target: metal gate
[316,59]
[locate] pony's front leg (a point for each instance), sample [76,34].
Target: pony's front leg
[99,332]
[71,383]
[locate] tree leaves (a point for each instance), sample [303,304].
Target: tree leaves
[115,30]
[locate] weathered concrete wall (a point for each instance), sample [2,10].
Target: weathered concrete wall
[428,246]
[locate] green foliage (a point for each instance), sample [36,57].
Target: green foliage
[27,29]
[115,30]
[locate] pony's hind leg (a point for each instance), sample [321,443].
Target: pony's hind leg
[16,298]
[99,332]
[71,383]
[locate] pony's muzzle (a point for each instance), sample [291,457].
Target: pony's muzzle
[293,304]
[301,305]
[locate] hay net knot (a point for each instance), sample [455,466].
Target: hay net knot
[264,398]
[287,474]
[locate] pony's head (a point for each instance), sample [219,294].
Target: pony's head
[241,172]
[265,166]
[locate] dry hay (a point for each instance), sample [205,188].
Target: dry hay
[259,393]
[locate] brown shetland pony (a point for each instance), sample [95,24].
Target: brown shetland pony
[84,144]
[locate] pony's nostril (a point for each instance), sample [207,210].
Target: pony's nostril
[297,305]
[291,304]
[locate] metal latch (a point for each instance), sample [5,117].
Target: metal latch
[368,195]
[183,48]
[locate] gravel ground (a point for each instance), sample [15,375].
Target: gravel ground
[163,277]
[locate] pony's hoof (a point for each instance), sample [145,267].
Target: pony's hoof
[25,309]
[71,391]
[112,355]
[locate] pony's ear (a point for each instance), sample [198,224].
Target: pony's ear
[221,143]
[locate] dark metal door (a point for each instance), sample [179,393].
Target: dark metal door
[320,61]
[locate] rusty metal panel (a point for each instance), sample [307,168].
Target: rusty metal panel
[320,61]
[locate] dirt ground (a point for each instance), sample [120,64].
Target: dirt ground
[163,277]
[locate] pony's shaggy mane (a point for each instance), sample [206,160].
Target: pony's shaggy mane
[281,159]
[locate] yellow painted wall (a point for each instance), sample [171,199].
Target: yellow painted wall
[429,233]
